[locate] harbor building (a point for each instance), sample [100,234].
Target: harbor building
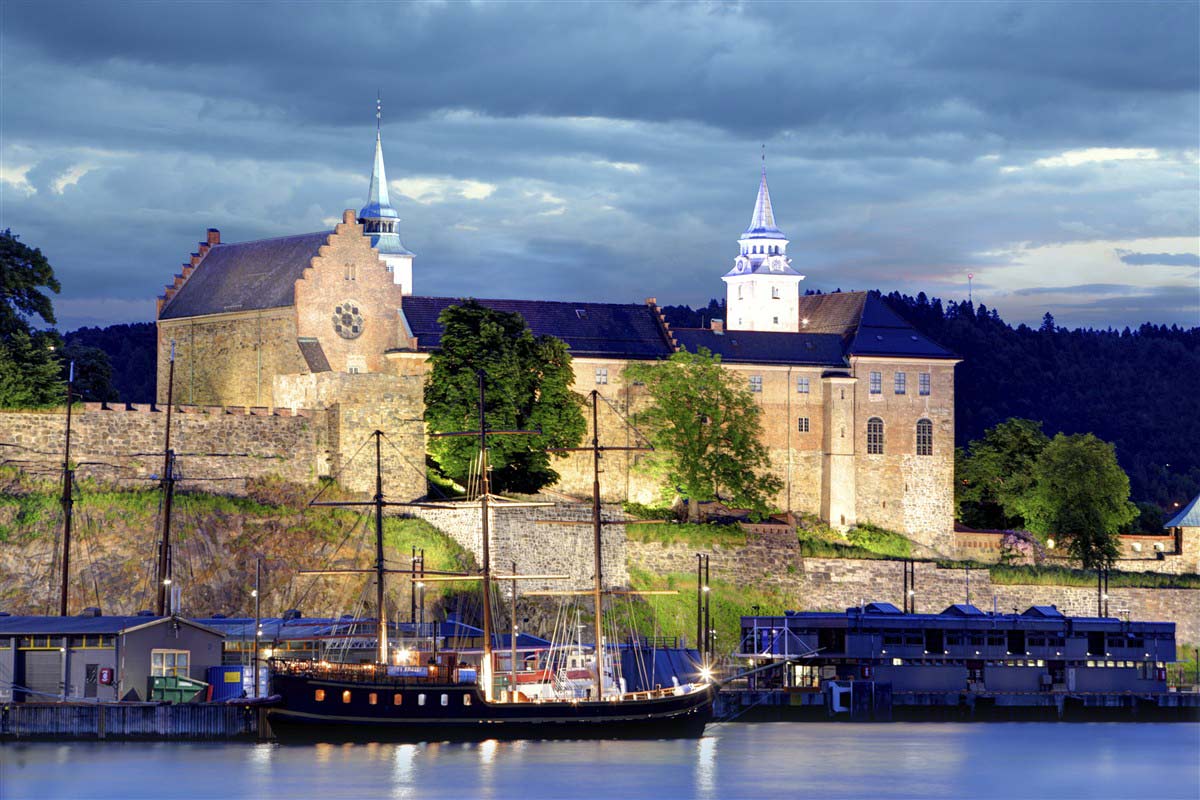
[101,658]
[858,406]
[960,650]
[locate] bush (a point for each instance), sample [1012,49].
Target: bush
[881,541]
[642,511]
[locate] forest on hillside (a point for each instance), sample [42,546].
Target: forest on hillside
[1138,388]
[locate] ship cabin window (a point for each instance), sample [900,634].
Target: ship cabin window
[893,638]
[831,640]
[914,637]
[995,640]
[445,699]
[954,639]
[978,640]
[1016,642]
[319,695]
[466,699]
[397,699]
[373,699]
[935,641]
[346,696]
[421,699]
[1096,643]
[1037,641]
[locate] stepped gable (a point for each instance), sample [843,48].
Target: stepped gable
[766,347]
[611,330]
[246,276]
[867,326]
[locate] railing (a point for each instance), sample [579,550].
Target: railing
[365,673]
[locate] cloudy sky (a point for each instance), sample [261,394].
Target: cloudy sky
[611,151]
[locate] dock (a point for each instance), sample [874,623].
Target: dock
[165,721]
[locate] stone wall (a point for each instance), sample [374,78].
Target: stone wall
[833,584]
[553,539]
[1138,552]
[217,448]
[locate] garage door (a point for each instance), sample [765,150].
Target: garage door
[43,673]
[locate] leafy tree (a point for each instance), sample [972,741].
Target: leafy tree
[29,371]
[28,363]
[994,473]
[1081,494]
[704,425]
[1150,519]
[93,372]
[527,387]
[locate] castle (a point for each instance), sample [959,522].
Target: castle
[858,405]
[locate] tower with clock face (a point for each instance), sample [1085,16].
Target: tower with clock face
[762,291]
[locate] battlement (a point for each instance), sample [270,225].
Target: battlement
[157,408]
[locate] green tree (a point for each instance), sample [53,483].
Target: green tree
[994,473]
[1081,495]
[527,387]
[93,372]
[28,360]
[704,425]
[24,274]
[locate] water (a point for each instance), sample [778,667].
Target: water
[771,760]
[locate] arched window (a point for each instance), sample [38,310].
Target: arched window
[875,436]
[924,437]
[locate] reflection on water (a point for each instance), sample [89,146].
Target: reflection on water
[735,761]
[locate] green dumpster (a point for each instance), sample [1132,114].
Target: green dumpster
[175,688]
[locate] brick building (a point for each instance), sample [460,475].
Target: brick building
[858,405]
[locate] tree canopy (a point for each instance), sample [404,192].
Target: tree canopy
[24,275]
[993,474]
[1079,493]
[527,387]
[29,366]
[704,425]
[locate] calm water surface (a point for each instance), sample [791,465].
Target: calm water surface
[775,760]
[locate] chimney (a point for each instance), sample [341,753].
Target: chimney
[214,236]
[718,326]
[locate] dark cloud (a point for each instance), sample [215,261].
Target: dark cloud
[1163,259]
[908,144]
[1084,288]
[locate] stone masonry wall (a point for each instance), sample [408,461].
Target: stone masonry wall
[217,449]
[834,584]
[528,536]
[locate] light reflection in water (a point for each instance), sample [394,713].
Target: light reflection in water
[404,772]
[706,767]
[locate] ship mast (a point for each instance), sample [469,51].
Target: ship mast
[485,486]
[68,500]
[380,600]
[168,488]
[597,584]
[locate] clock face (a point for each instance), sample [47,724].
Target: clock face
[348,320]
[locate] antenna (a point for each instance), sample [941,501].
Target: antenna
[970,279]
[378,109]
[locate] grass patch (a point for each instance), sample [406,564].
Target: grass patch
[675,615]
[693,534]
[879,540]
[642,511]
[441,552]
[1065,576]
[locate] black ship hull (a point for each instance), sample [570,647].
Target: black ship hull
[315,708]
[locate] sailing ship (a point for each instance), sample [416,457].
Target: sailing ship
[447,697]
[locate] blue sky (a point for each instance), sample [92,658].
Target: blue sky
[611,151]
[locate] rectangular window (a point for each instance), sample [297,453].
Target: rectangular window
[170,662]
[397,698]
[421,699]
[346,696]
[466,699]
[923,384]
[601,376]
[876,383]
[373,698]
[445,700]
[756,384]
[319,695]
[802,385]
[900,380]
[802,425]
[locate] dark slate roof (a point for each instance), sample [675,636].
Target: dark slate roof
[765,347]
[868,326]
[962,610]
[881,608]
[832,313]
[59,626]
[589,329]
[1042,611]
[314,354]
[245,276]
[1188,517]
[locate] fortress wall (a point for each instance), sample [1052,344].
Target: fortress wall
[834,584]
[217,448]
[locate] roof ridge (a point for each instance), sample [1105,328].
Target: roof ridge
[276,238]
[573,303]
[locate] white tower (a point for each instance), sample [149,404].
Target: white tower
[381,223]
[762,291]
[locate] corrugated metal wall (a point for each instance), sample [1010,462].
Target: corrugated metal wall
[118,721]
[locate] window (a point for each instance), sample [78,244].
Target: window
[170,662]
[875,436]
[739,296]
[802,425]
[445,699]
[373,698]
[466,699]
[774,320]
[774,292]
[924,437]
[319,695]
[756,383]
[421,699]
[601,376]
[346,696]
[397,699]
[900,380]
[802,385]
[876,383]
[351,271]
[923,384]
